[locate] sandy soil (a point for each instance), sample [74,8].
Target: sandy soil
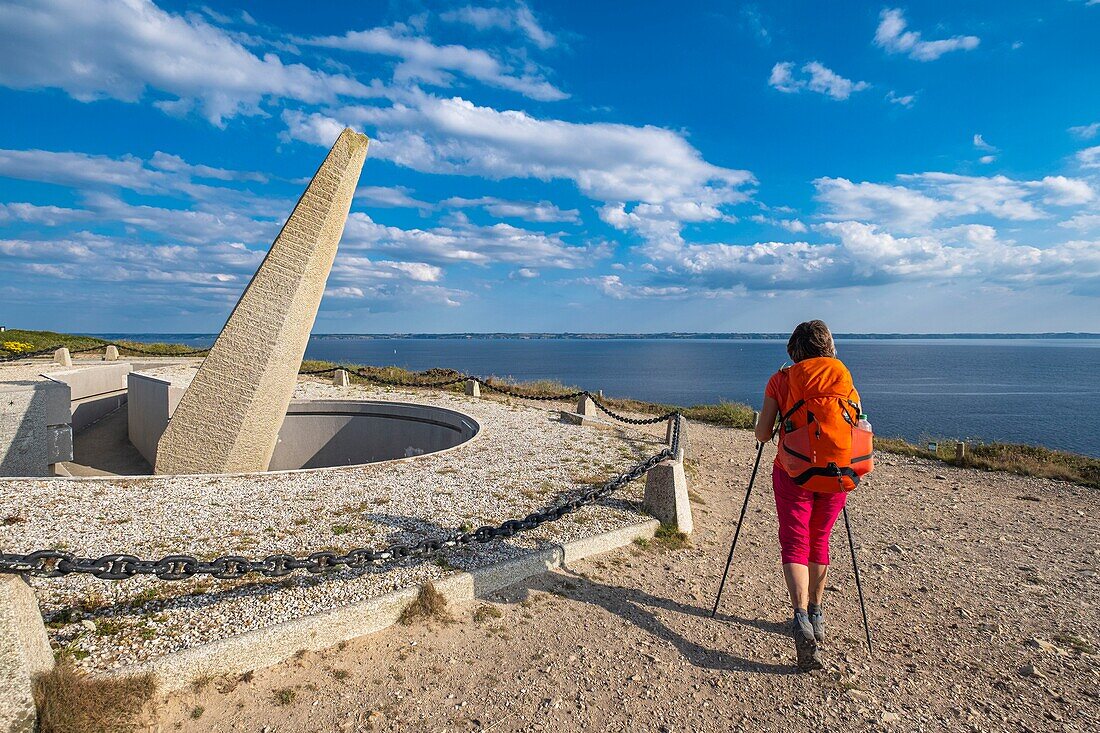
[983,599]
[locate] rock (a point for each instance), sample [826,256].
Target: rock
[1029,670]
[1043,645]
[890,717]
[88,625]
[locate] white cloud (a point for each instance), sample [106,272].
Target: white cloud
[534,211]
[1083,222]
[176,164]
[389,196]
[469,243]
[892,36]
[614,287]
[612,163]
[1085,132]
[987,159]
[1089,157]
[905,100]
[863,254]
[422,60]
[1062,191]
[816,77]
[981,144]
[518,18]
[49,216]
[523,273]
[791,225]
[926,197]
[118,49]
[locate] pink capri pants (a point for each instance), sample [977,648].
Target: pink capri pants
[806,520]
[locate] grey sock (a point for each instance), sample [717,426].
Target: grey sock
[802,620]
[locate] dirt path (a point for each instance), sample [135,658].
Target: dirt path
[983,598]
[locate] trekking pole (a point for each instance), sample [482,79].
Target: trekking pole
[737,533]
[859,586]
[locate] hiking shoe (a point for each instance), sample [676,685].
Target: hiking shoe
[805,646]
[817,621]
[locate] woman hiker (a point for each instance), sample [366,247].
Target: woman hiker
[824,446]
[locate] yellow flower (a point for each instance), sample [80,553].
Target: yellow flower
[17,347]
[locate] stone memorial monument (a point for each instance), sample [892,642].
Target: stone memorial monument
[229,418]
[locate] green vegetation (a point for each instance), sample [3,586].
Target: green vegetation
[670,537]
[429,604]
[485,613]
[284,696]
[38,340]
[1022,460]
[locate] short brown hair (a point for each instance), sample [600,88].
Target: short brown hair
[810,339]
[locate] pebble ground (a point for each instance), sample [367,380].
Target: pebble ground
[523,459]
[982,594]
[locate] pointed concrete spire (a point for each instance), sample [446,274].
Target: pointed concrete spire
[229,418]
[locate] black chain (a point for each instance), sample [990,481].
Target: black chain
[29,354]
[56,563]
[562,397]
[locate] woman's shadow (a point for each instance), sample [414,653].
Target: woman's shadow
[638,607]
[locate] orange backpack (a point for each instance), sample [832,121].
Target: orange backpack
[821,446]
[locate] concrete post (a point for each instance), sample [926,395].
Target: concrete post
[340,378]
[666,495]
[229,418]
[683,433]
[24,653]
[62,357]
[960,452]
[473,388]
[111,353]
[585,406]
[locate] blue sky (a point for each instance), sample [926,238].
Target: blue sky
[546,166]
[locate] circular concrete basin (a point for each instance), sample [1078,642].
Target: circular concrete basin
[320,433]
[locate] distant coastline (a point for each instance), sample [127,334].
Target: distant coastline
[672,335]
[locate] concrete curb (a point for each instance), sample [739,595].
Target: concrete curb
[268,646]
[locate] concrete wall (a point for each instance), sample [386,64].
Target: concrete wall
[95,391]
[34,427]
[343,433]
[151,402]
[316,433]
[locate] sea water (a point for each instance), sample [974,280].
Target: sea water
[1038,391]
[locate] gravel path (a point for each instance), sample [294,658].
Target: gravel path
[982,592]
[523,459]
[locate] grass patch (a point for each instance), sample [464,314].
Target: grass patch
[1075,642]
[428,605]
[1022,460]
[284,696]
[669,537]
[486,613]
[69,701]
[340,529]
